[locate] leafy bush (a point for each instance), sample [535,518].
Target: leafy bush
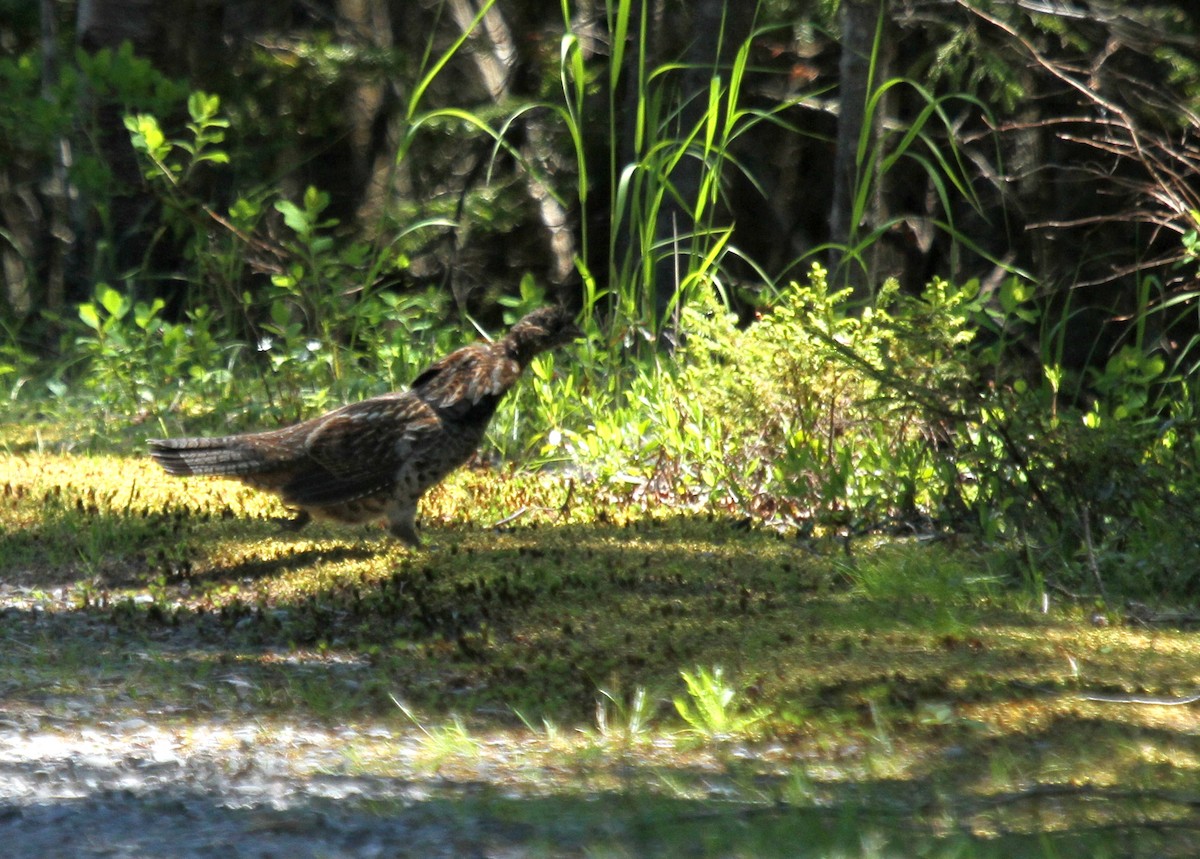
[913,415]
[814,415]
[138,360]
[320,332]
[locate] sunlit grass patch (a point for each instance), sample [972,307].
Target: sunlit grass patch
[893,572]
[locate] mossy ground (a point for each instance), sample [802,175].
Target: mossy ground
[917,690]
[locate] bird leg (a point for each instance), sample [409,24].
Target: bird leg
[302,518]
[403,526]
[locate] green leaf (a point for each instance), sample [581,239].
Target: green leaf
[112,301]
[244,212]
[1013,293]
[280,313]
[296,218]
[315,201]
[144,314]
[147,136]
[201,105]
[87,312]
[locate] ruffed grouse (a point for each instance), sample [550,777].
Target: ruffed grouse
[376,458]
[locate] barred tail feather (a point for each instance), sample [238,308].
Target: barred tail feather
[228,455]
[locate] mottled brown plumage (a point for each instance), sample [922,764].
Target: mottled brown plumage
[376,458]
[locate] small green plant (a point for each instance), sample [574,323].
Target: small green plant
[442,743]
[1191,239]
[713,709]
[549,729]
[17,365]
[623,720]
[323,323]
[207,130]
[138,361]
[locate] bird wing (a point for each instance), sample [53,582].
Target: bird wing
[355,451]
[466,378]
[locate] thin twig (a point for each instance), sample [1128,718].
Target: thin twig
[1151,700]
[514,517]
[1086,521]
[565,509]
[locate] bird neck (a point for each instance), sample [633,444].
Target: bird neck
[520,351]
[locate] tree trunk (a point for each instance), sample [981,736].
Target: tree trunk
[497,68]
[107,24]
[33,206]
[369,163]
[59,194]
[862,68]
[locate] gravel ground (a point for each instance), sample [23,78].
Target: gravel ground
[95,777]
[132,789]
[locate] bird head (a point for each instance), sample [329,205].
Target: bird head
[544,328]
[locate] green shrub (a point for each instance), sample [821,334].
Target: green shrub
[814,415]
[136,360]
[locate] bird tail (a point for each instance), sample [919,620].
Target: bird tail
[230,455]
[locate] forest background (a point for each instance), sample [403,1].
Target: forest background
[907,267]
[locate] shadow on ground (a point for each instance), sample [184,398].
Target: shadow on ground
[213,812]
